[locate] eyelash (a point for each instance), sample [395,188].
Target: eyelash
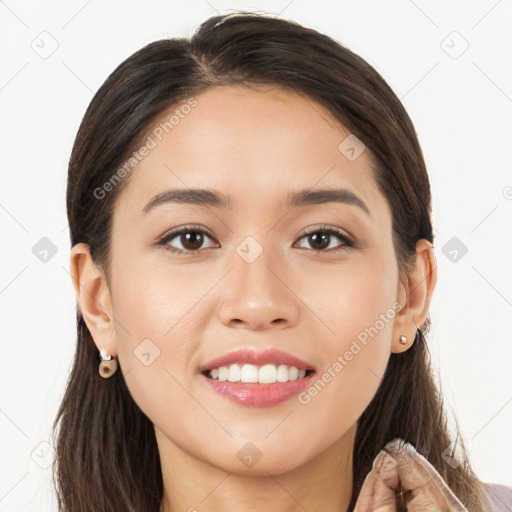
[163,241]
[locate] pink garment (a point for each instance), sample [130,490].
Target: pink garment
[500,497]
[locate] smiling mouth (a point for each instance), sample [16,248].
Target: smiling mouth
[254,374]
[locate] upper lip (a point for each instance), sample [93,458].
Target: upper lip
[258,358]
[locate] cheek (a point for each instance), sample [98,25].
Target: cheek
[356,341]
[354,302]
[345,386]
[150,302]
[157,336]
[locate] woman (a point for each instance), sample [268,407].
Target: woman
[253,262]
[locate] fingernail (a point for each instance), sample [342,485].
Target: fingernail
[379,459]
[384,463]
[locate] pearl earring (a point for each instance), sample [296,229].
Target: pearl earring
[108,365]
[403,339]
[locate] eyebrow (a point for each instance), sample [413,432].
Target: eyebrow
[213,198]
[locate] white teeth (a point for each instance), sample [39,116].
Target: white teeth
[294,373]
[266,374]
[234,373]
[249,373]
[223,373]
[283,374]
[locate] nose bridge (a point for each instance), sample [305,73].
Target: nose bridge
[255,293]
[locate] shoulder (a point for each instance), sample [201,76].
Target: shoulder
[500,497]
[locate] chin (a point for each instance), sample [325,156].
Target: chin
[251,460]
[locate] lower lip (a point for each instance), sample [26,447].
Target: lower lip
[258,395]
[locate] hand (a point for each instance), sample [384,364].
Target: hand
[399,467]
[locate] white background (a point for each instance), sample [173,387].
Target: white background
[461,108]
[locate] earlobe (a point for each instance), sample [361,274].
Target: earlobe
[416,297]
[93,297]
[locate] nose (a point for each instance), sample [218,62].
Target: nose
[257,296]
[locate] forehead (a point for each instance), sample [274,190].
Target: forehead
[247,142]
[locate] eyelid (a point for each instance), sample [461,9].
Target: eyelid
[186,229]
[327,227]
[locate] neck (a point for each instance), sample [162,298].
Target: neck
[192,485]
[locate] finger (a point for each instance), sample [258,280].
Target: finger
[424,485]
[378,492]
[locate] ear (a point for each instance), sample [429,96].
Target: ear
[93,297]
[416,296]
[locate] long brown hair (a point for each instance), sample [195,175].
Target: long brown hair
[107,457]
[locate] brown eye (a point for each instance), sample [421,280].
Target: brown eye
[321,239]
[192,240]
[185,240]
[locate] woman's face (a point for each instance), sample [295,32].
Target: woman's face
[265,275]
